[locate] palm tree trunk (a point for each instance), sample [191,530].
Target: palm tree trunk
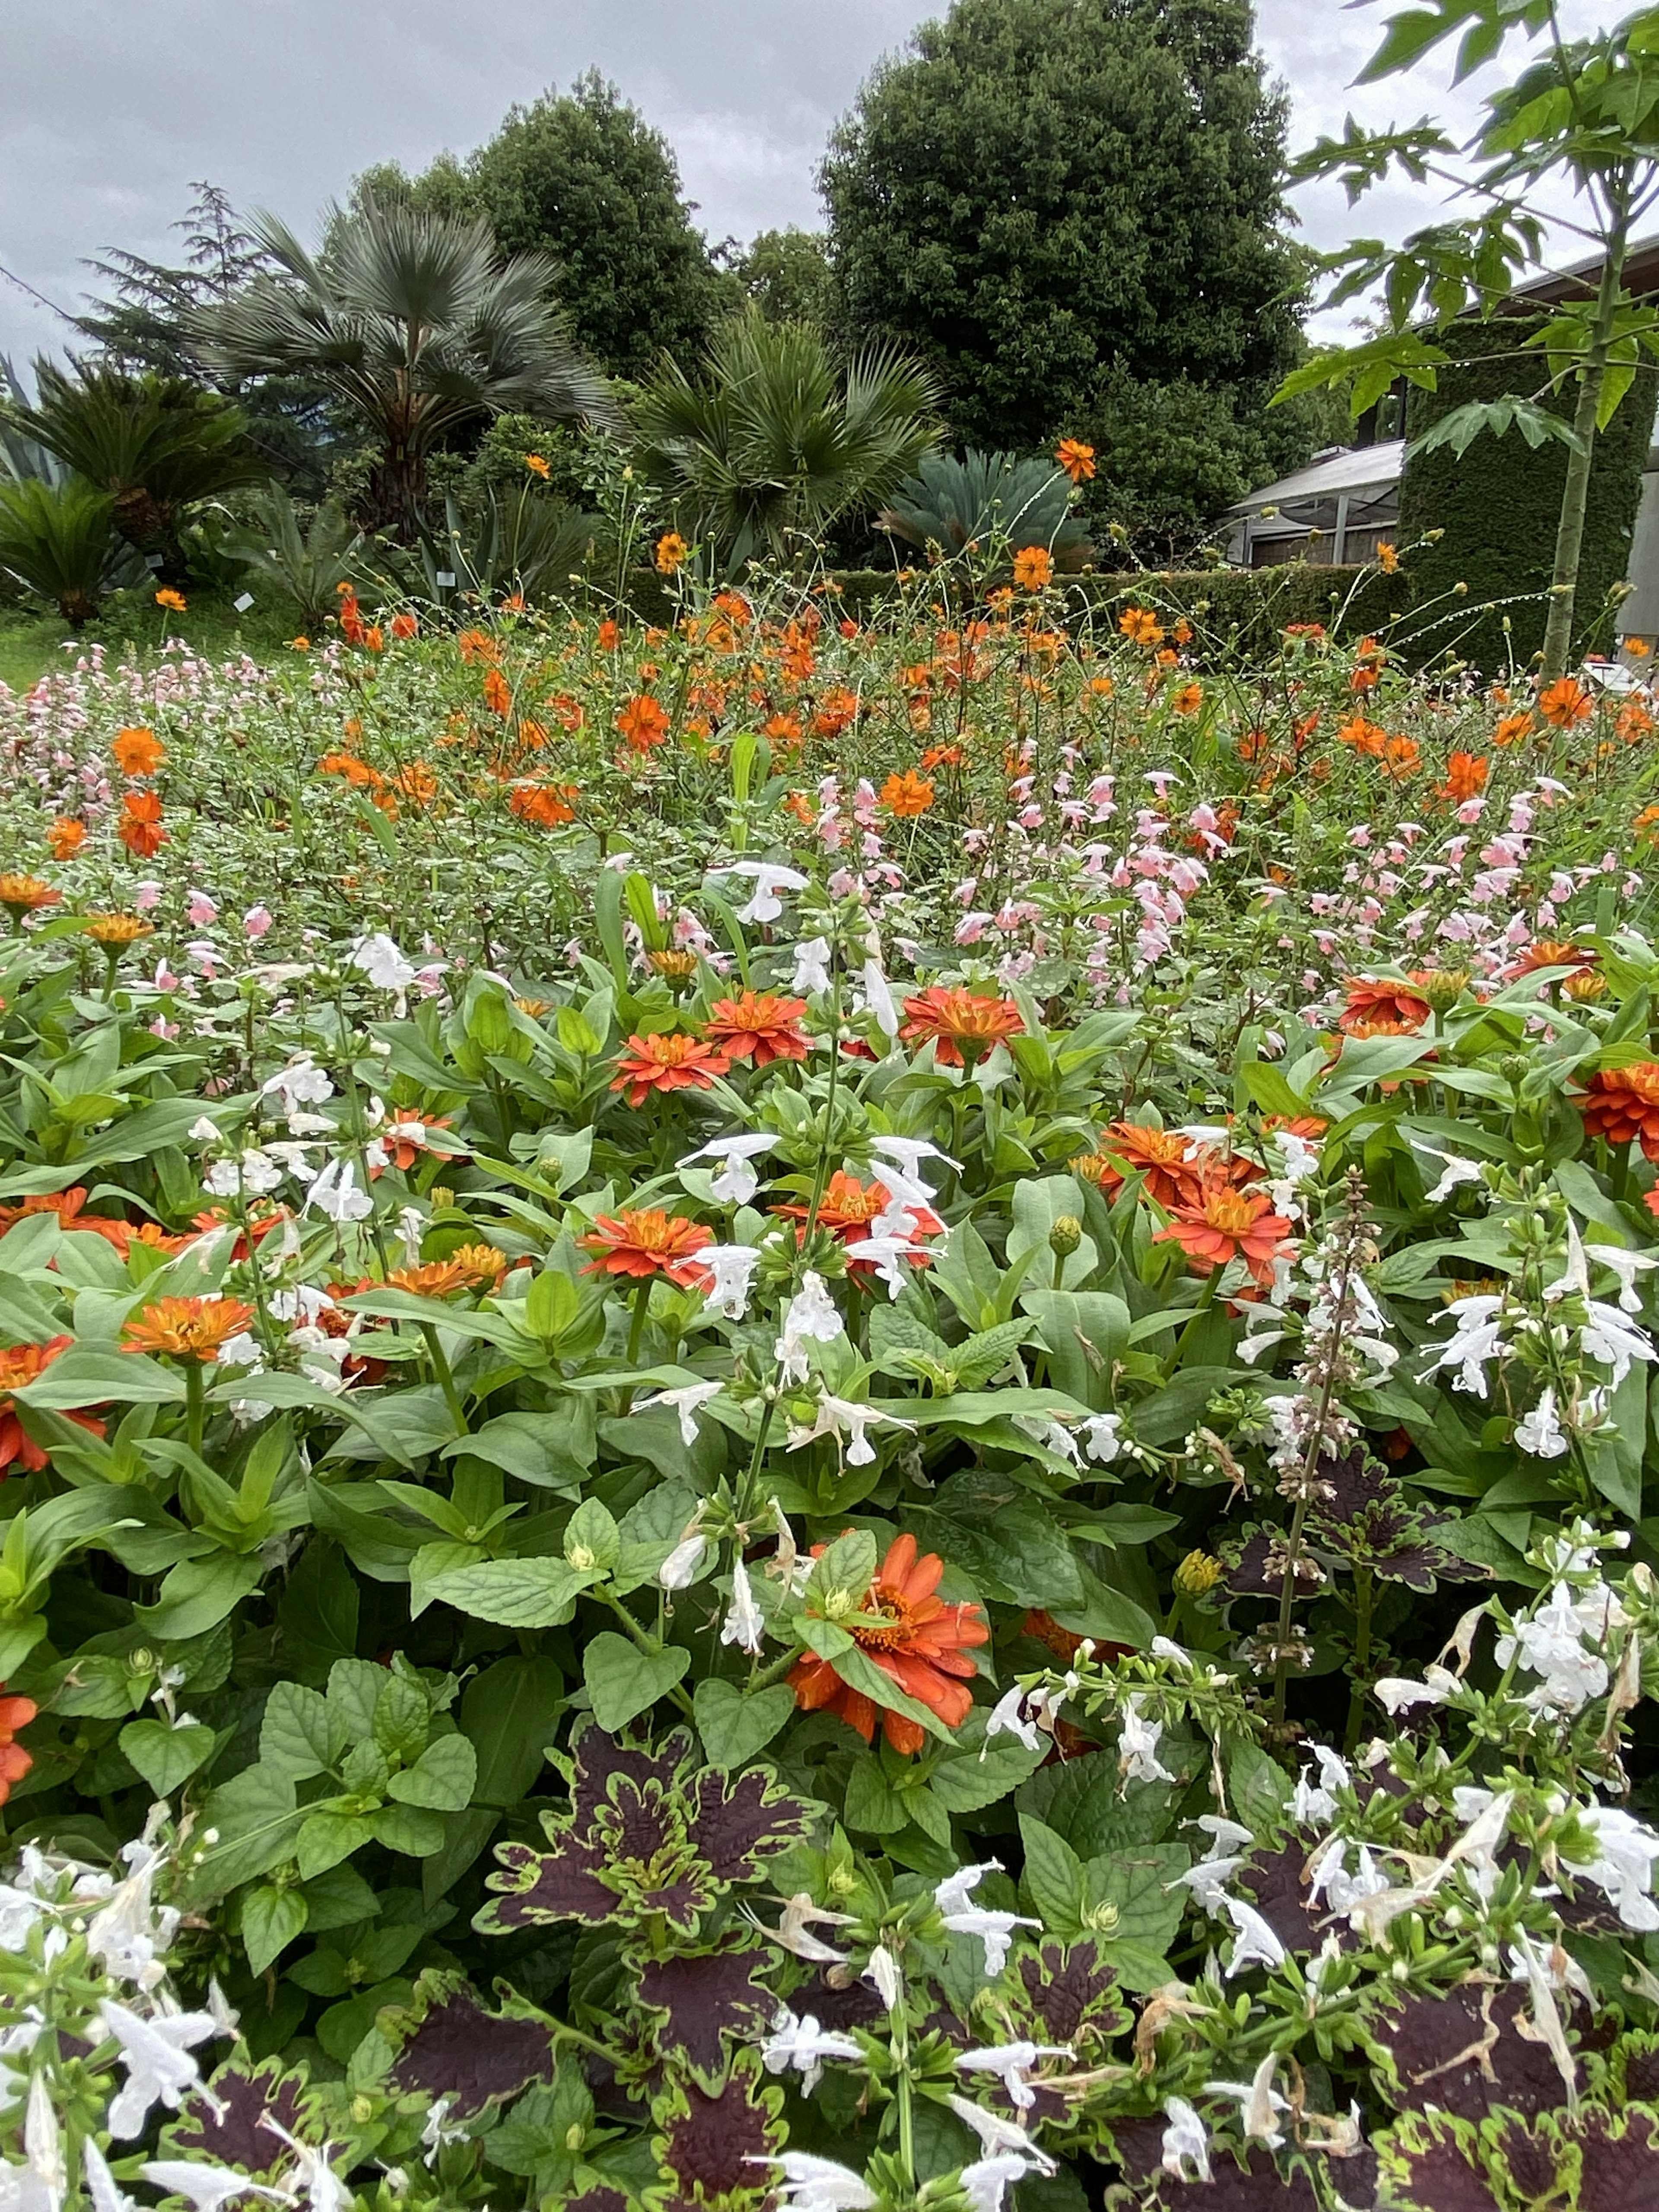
[397,494]
[1575,492]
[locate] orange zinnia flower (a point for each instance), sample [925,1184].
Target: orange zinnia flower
[915,1638]
[907,794]
[1159,1156]
[1076,458]
[645,1241]
[1364,737]
[671,549]
[1564,703]
[1466,776]
[1620,1103]
[406,625]
[848,1206]
[671,1060]
[186,1328]
[1033,567]
[958,1020]
[1141,626]
[137,751]
[498,694]
[1229,1224]
[1371,1003]
[20,1365]
[14,1762]
[762,1029]
[67,1205]
[1548,952]
[140,827]
[66,836]
[21,895]
[643,722]
[114,930]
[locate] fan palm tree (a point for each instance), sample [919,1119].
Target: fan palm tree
[156,445]
[413,322]
[772,440]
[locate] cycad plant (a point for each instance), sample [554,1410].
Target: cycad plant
[983,507]
[772,440]
[21,456]
[414,323]
[58,540]
[156,445]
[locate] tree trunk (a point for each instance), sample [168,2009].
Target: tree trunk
[396,494]
[1575,492]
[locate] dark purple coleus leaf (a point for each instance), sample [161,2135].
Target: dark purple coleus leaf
[597,2200]
[595,1757]
[1363,1514]
[1140,2145]
[535,1888]
[857,2006]
[473,2057]
[739,1821]
[703,2000]
[1438,2175]
[1258,2185]
[234,2137]
[1275,1883]
[1620,2159]
[708,2144]
[1256,1567]
[1070,1994]
[1462,2053]
[1636,2068]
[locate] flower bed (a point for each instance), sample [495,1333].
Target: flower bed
[804,1414]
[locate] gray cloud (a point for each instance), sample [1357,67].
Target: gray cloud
[112,109]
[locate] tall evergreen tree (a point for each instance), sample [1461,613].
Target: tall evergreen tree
[1047,196]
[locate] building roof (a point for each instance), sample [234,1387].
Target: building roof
[1359,469]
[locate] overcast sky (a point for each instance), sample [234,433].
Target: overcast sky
[111,108]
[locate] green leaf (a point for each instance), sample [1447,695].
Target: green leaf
[93,1375]
[1258,1786]
[1135,1882]
[625,1682]
[326,1838]
[302,1734]
[735,1727]
[516,1593]
[402,1718]
[1053,1879]
[441,1779]
[167,1757]
[272,1920]
[591,1540]
[198,1593]
[254,1816]
[509,1714]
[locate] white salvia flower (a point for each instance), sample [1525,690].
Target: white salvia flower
[255,1172]
[1207,1881]
[379,959]
[804,2046]
[1315,1802]
[745,1624]
[1185,2139]
[435,2135]
[201,1131]
[811,2184]
[811,973]
[1137,1751]
[1165,1647]
[685,1402]
[1224,1835]
[810,1318]
[907,1154]
[1258,2102]
[1007,1717]
[1396,1695]
[884,1254]
[323,2190]
[1256,1942]
[1541,1432]
[736,1182]
[1627,1265]
[994,1929]
[839,1417]
[106,2192]
[1477,1339]
[1623,1865]
[732,1267]
[679,1569]
[1053,1436]
[793,1932]
[1333,1882]
[1552,1644]
[1102,1437]
[301,1083]
[156,2056]
[987,2181]
[207,2187]
[764,904]
[996,2135]
[128,1933]
[1011,2062]
[884,1971]
[1608,1337]
[38,2184]
[880,998]
[1456,1170]
[336,1196]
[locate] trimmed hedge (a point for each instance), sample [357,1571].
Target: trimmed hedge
[1498,504]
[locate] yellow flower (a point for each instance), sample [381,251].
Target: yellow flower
[537,466]
[671,549]
[173,600]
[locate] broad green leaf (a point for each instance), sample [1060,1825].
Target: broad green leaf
[516,1593]
[327,1837]
[510,1714]
[198,1593]
[255,1817]
[272,1920]
[93,1375]
[302,1734]
[167,1757]
[623,1682]
[441,1778]
[734,1726]
[1053,1879]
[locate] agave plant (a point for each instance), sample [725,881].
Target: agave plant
[306,566]
[21,456]
[530,544]
[772,440]
[984,506]
[60,540]
[157,445]
[413,322]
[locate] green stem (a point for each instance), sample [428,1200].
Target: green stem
[195,1404]
[440,1368]
[636,1326]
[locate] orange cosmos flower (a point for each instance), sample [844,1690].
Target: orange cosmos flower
[1033,567]
[1189,699]
[20,1365]
[1368,669]
[1388,558]
[537,466]
[1076,458]
[1364,737]
[406,625]
[838,709]
[476,645]
[546,804]
[1564,703]
[66,836]
[1634,722]
[762,1029]
[1394,1004]
[645,1241]
[1466,776]
[1141,626]
[175,601]
[140,827]
[498,694]
[1401,758]
[21,895]
[137,751]
[1511,728]
[671,1060]
[917,1640]
[907,795]
[186,1328]
[643,722]
[14,1762]
[942,757]
[959,1021]
[1229,1224]
[1620,1103]
[1646,823]
[671,549]
[1159,1156]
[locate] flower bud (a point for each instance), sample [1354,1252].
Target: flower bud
[1197,1573]
[441,1197]
[1444,988]
[1066,1236]
[1586,984]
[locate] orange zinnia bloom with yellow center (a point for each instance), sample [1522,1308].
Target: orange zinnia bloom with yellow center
[909,794]
[918,1642]
[961,1024]
[20,1365]
[21,895]
[671,1060]
[848,1206]
[1229,1224]
[1620,1103]
[186,1328]
[645,1241]
[117,929]
[14,1762]
[1548,952]
[759,1028]
[1381,1009]
[1159,1156]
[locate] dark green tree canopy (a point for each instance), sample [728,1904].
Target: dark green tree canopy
[786,274]
[1046,188]
[582,177]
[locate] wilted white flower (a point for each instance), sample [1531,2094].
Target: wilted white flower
[1185,2139]
[804,2046]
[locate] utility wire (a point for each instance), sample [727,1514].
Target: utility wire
[12,278]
